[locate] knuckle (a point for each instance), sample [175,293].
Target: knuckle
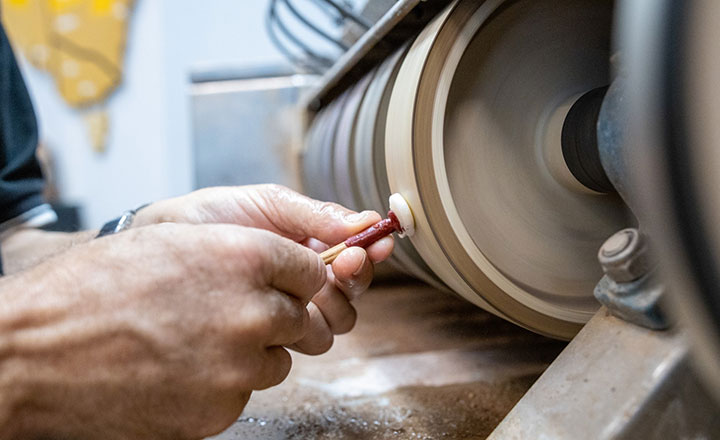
[253,324]
[223,241]
[325,209]
[275,189]
[287,312]
[281,249]
[297,315]
[242,250]
[289,255]
[316,268]
[282,252]
[275,198]
[272,314]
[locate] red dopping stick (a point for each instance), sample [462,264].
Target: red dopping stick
[363,239]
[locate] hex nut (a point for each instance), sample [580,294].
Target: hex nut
[625,256]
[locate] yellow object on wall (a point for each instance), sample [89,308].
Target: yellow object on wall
[81,43]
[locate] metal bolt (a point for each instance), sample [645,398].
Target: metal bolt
[625,256]
[616,243]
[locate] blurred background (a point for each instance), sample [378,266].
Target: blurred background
[139,100]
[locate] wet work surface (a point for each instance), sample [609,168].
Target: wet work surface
[420,364]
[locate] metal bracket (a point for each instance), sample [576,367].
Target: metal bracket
[630,288]
[637,301]
[616,381]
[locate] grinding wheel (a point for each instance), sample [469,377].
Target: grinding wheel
[330,139]
[310,154]
[371,182]
[321,163]
[343,158]
[466,135]
[369,152]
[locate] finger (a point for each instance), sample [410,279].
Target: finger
[296,216]
[319,337]
[287,319]
[381,249]
[315,244]
[264,318]
[353,272]
[335,307]
[275,368]
[289,266]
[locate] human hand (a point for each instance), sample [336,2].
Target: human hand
[158,332]
[310,222]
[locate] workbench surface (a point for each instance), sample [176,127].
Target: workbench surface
[420,364]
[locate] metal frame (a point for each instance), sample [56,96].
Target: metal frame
[616,381]
[403,21]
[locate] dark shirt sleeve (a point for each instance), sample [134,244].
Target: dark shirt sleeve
[21,181]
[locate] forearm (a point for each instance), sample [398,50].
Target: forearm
[59,348]
[26,248]
[29,309]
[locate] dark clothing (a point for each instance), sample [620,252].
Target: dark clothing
[21,181]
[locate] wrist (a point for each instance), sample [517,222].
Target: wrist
[26,248]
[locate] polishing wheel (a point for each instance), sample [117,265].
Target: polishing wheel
[344,157]
[476,126]
[372,186]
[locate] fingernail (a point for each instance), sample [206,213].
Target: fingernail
[362,263]
[358,217]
